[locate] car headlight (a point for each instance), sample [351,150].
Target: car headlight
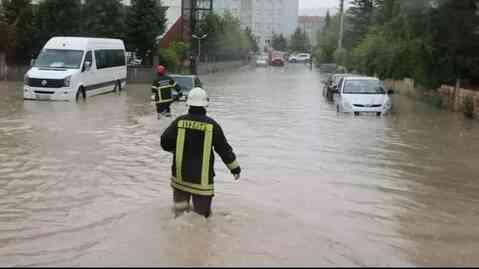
[26,79]
[67,81]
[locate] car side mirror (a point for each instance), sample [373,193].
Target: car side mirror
[32,62]
[390,91]
[87,66]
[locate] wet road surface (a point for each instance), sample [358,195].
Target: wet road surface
[88,185]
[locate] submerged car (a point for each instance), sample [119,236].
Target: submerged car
[332,83]
[262,61]
[277,61]
[362,95]
[186,83]
[300,58]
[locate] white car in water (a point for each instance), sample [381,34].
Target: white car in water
[262,61]
[300,58]
[362,95]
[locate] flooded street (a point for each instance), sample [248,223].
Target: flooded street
[88,185]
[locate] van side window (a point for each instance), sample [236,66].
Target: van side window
[88,58]
[109,58]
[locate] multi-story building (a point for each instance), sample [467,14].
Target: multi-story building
[311,25]
[263,17]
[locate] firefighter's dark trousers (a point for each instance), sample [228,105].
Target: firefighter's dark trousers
[201,204]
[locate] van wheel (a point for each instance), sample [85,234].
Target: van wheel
[81,94]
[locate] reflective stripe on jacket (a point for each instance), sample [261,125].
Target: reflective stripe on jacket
[162,88]
[192,139]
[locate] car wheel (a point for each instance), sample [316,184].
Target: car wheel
[337,108]
[378,114]
[118,87]
[81,93]
[356,113]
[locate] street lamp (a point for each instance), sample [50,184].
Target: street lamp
[199,44]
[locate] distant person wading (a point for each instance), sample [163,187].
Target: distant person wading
[162,89]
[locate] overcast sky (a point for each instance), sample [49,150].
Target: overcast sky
[318,3]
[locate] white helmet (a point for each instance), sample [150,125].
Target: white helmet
[197,97]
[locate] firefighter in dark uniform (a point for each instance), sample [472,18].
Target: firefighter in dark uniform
[162,91]
[192,138]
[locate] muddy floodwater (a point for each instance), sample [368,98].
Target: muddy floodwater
[87,184]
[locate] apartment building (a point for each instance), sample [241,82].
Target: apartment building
[263,17]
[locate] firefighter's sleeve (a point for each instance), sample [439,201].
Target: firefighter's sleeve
[225,151]
[168,138]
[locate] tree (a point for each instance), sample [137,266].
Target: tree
[146,21]
[105,18]
[226,40]
[327,20]
[17,16]
[252,40]
[359,17]
[279,42]
[300,41]
[328,42]
[56,17]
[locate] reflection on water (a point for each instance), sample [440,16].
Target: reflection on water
[87,184]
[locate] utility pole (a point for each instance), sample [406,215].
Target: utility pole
[341,24]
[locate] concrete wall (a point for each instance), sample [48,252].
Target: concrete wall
[214,67]
[452,97]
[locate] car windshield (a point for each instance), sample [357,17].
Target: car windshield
[70,59]
[186,83]
[363,87]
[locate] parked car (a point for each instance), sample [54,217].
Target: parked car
[332,82]
[278,61]
[186,83]
[362,95]
[262,61]
[300,58]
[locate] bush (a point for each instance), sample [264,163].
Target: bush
[169,59]
[469,106]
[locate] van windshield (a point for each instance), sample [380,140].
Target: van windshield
[52,58]
[363,87]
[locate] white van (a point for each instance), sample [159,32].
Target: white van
[69,68]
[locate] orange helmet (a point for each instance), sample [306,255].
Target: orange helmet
[161,70]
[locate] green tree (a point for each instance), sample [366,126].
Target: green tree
[56,17]
[146,21]
[300,41]
[105,18]
[327,42]
[226,40]
[359,18]
[279,42]
[327,20]
[252,40]
[17,16]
